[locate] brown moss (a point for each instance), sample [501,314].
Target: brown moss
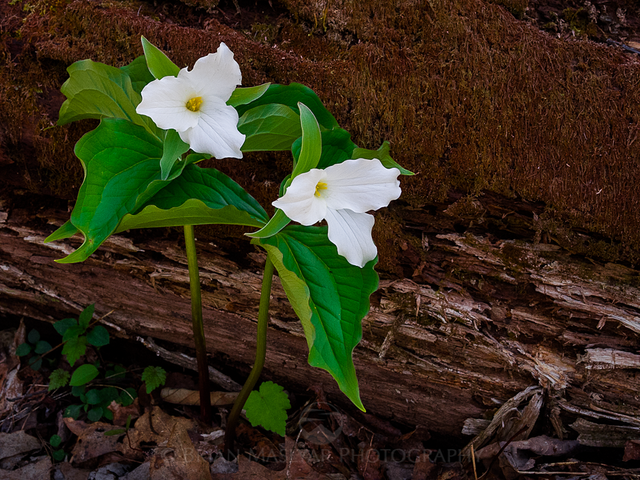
[469,98]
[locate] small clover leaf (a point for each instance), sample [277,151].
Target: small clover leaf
[268,407]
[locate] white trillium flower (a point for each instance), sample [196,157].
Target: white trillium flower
[194,104]
[342,194]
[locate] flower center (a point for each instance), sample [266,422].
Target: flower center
[194,104]
[320,186]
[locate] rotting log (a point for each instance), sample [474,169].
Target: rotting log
[482,319]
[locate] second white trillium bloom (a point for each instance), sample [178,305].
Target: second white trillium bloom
[342,194]
[194,104]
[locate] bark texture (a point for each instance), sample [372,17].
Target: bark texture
[498,315]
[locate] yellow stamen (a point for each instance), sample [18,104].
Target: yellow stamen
[194,104]
[320,186]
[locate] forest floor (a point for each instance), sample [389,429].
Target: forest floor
[167,440]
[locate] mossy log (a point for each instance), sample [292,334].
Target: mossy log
[509,261]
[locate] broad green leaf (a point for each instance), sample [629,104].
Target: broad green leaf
[122,171]
[33,336]
[55,441]
[94,396]
[172,151]
[96,90]
[95,414]
[311,143]
[86,315]
[277,223]
[72,411]
[61,326]
[200,196]
[67,230]
[269,128]
[290,95]
[381,154]
[244,95]
[115,431]
[329,295]
[336,147]
[73,331]
[83,375]
[138,73]
[98,336]
[153,377]
[42,347]
[23,349]
[128,396]
[268,408]
[74,348]
[59,378]
[158,63]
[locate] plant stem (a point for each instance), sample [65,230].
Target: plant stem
[198,329]
[261,352]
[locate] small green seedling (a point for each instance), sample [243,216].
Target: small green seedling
[153,377]
[76,335]
[58,454]
[268,408]
[34,346]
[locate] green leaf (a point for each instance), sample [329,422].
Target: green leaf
[55,441]
[42,347]
[269,128]
[153,377]
[33,336]
[96,90]
[173,148]
[98,336]
[58,455]
[86,315]
[329,295]
[23,349]
[94,396]
[311,143]
[61,326]
[122,172]
[67,230]
[290,95]
[277,223]
[83,375]
[73,332]
[35,363]
[139,73]
[95,414]
[128,396]
[74,348]
[336,147]
[78,391]
[159,64]
[268,408]
[200,196]
[244,95]
[115,431]
[59,378]
[73,411]
[381,154]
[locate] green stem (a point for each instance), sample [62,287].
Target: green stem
[261,352]
[198,329]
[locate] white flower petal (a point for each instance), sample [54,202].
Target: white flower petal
[165,102]
[216,75]
[361,185]
[217,131]
[351,233]
[300,203]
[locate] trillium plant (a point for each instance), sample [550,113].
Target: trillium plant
[141,170]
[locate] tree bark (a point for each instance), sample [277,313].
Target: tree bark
[483,318]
